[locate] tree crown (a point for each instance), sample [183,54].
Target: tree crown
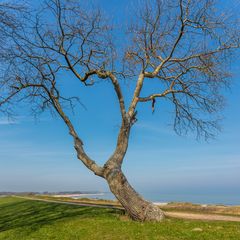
[186,46]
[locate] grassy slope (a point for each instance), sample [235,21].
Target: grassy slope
[176,207]
[24,220]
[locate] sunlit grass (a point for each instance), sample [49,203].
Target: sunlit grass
[25,219]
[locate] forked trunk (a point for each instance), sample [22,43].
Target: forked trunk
[136,207]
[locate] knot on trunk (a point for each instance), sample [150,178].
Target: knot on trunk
[111,173]
[153,213]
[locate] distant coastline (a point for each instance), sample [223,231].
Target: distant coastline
[79,195]
[7,193]
[156,197]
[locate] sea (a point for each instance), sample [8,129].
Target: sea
[215,199]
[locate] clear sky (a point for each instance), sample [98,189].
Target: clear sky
[38,155]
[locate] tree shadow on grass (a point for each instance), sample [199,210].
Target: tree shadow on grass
[35,214]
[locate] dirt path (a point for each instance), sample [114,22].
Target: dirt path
[70,203]
[181,215]
[205,217]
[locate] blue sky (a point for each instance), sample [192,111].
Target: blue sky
[38,155]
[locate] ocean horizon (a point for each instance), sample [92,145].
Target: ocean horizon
[215,199]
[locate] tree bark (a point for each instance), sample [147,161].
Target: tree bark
[136,207]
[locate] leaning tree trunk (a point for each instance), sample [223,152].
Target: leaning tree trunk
[136,207]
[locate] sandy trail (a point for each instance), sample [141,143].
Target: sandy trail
[205,217]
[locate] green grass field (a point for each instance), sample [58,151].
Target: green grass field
[25,219]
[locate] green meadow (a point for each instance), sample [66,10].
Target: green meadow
[26,219]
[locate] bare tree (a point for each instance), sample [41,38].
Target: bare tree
[185,45]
